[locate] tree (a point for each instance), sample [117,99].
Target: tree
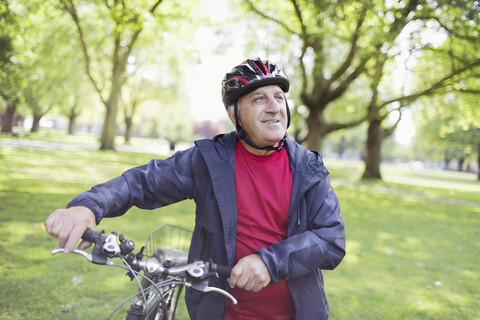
[31,78]
[376,109]
[450,73]
[449,128]
[348,143]
[11,67]
[124,25]
[156,83]
[133,97]
[358,57]
[47,44]
[77,96]
[336,41]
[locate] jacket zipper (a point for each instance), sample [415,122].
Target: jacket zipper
[298,223]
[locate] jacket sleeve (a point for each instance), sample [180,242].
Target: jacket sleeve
[156,184]
[320,244]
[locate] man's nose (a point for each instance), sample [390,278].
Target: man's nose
[273,105]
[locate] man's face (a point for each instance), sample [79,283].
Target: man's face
[263,115]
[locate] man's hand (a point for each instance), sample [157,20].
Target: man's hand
[250,273]
[68,225]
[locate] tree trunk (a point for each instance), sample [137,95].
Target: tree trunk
[315,134]
[341,147]
[374,149]
[461,161]
[9,117]
[109,130]
[128,128]
[73,115]
[36,123]
[446,161]
[313,129]
[478,163]
[72,119]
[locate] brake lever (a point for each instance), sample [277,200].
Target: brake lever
[93,258]
[87,255]
[202,287]
[221,291]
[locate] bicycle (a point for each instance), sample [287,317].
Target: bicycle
[163,275]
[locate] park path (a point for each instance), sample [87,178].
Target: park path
[42,145]
[47,145]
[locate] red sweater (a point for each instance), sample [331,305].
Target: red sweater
[263,189]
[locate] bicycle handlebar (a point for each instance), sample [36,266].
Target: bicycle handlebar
[100,238]
[107,246]
[91,235]
[222,270]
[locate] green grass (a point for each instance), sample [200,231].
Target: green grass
[431,183]
[408,256]
[36,285]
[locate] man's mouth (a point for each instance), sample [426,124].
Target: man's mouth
[272,121]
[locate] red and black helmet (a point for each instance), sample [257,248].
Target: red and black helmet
[248,76]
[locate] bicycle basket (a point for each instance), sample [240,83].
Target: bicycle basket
[168,235]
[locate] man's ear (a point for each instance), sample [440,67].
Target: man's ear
[231,114]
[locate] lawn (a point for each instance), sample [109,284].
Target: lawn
[408,256]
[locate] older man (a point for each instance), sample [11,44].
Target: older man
[264,205]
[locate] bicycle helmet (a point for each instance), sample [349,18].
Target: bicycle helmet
[246,77]
[250,75]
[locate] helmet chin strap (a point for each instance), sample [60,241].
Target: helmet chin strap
[241,134]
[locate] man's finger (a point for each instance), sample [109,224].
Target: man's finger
[243,281]
[48,224]
[74,236]
[64,235]
[78,233]
[84,245]
[55,224]
[234,275]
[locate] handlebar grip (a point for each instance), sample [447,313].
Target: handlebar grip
[223,270]
[91,235]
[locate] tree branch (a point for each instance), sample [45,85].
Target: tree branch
[72,11]
[387,132]
[298,13]
[353,49]
[264,15]
[444,26]
[340,89]
[4,95]
[337,126]
[155,5]
[469,91]
[135,36]
[434,87]
[305,44]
